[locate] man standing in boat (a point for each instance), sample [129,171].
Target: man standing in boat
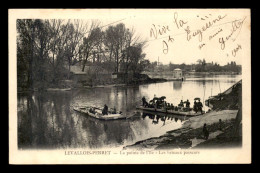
[172,107]
[164,106]
[187,103]
[195,107]
[199,105]
[181,104]
[105,110]
[114,110]
[144,101]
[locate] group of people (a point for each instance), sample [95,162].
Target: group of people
[182,104]
[159,104]
[92,110]
[197,107]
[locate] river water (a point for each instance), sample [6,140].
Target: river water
[46,120]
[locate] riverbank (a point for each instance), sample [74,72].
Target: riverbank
[192,73]
[230,99]
[214,73]
[191,136]
[66,85]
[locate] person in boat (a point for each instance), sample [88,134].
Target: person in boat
[195,107]
[181,104]
[114,110]
[168,106]
[157,104]
[172,107]
[105,110]
[187,103]
[144,101]
[164,104]
[205,132]
[146,104]
[199,106]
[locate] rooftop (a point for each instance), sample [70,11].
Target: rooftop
[177,69]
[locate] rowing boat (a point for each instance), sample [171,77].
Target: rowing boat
[98,113]
[179,112]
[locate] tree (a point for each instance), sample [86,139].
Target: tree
[25,29]
[132,53]
[136,56]
[171,66]
[45,48]
[32,50]
[117,40]
[203,65]
[90,42]
[75,33]
[146,64]
[59,39]
[182,66]
[199,61]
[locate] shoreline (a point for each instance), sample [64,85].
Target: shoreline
[133,83]
[190,135]
[141,82]
[195,73]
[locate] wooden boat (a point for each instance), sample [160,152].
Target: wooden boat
[183,113]
[98,113]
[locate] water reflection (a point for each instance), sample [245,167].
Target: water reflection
[177,85]
[162,117]
[47,120]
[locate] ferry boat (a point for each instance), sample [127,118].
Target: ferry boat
[96,112]
[190,112]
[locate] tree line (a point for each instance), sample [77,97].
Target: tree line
[200,66]
[46,50]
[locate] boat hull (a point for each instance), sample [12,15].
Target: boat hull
[100,116]
[188,113]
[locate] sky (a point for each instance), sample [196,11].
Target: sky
[173,45]
[212,29]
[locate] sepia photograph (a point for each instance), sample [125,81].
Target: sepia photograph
[143,86]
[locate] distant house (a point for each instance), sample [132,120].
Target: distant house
[89,72]
[177,73]
[76,69]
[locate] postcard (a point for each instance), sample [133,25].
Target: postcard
[129,86]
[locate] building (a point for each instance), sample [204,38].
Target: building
[92,75]
[178,74]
